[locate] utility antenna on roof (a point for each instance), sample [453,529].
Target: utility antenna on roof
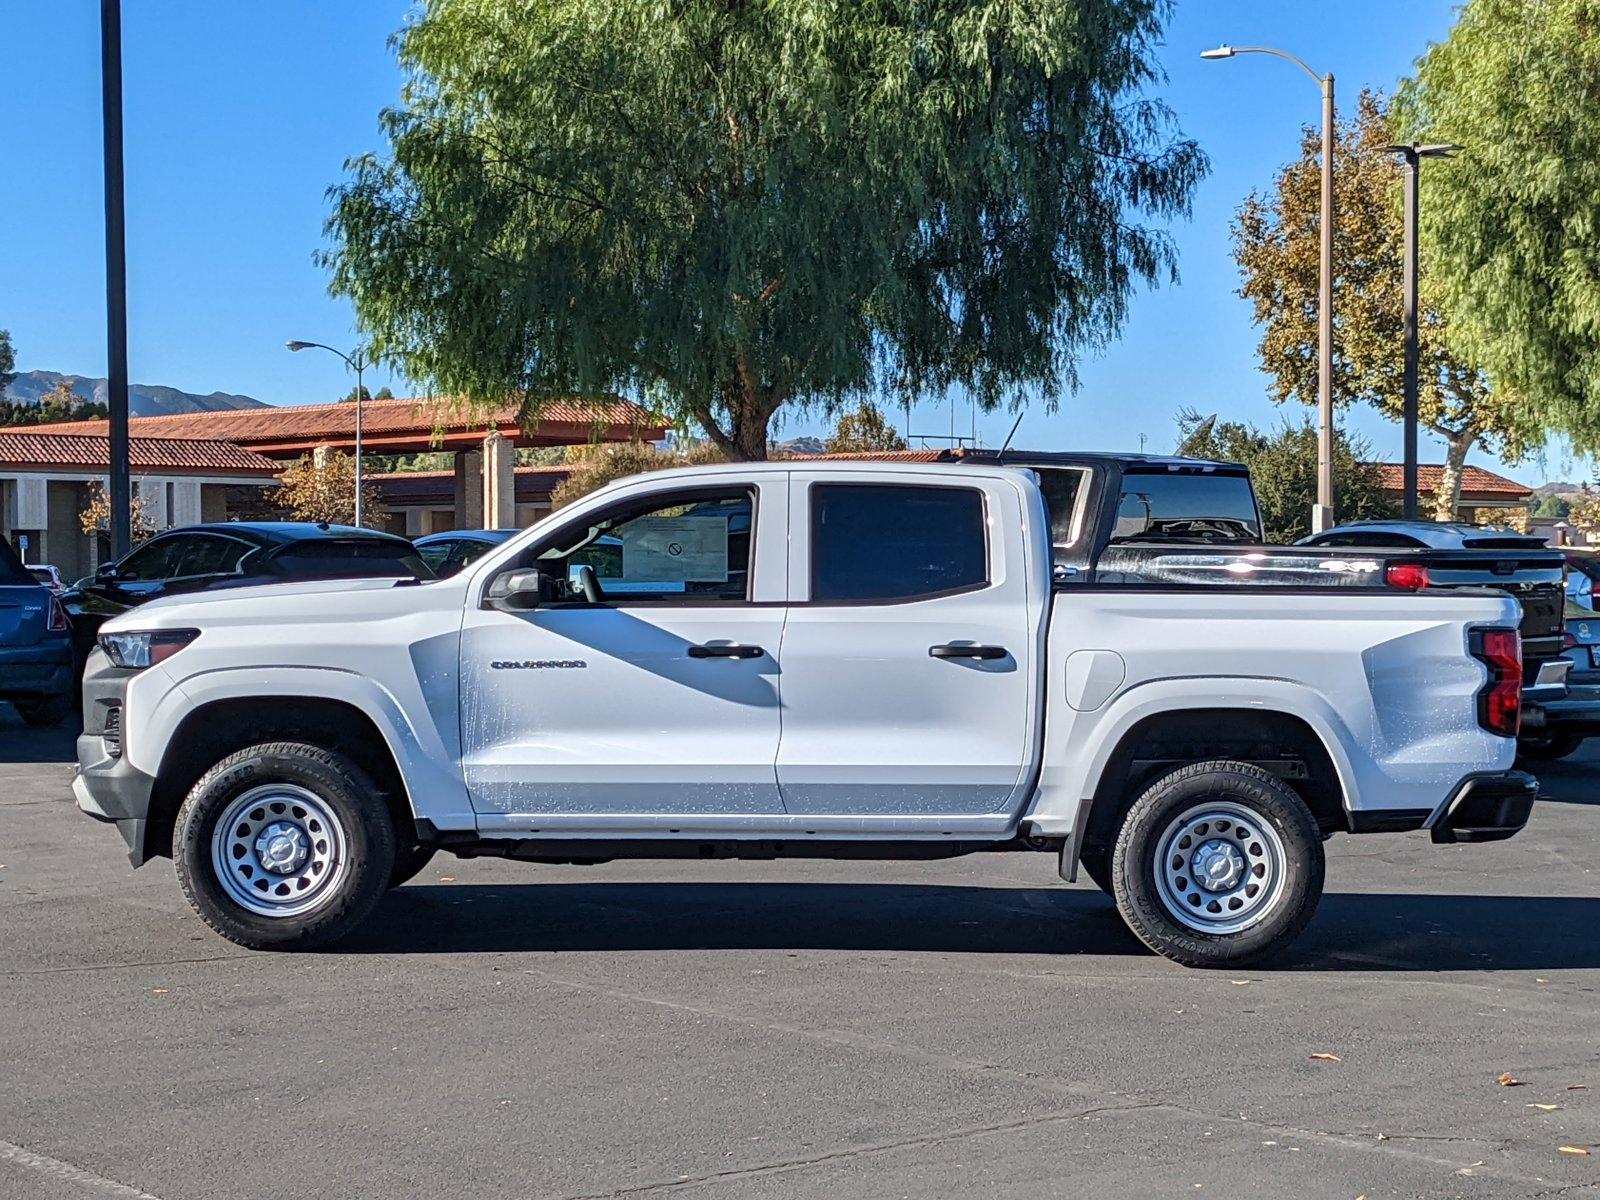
[1006,445]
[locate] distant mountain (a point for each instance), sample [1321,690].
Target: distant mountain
[144,399]
[800,445]
[1560,488]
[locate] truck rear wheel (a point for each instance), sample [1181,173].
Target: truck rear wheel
[1217,864]
[284,846]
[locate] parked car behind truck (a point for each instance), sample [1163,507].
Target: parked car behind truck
[35,645]
[299,748]
[197,558]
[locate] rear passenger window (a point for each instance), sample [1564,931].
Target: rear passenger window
[887,542]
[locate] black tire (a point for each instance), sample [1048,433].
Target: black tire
[359,875]
[1295,850]
[409,862]
[1096,864]
[44,712]
[1547,747]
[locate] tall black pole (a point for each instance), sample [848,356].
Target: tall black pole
[116,276]
[1409,411]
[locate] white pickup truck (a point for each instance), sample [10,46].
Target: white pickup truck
[825,659]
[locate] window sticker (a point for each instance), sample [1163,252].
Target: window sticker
[675,550]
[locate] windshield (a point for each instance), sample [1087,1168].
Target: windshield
[337,558]
[1180,506]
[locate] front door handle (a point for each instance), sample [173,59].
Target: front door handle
[954,651]
[725,650]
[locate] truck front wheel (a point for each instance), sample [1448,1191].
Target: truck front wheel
[1217,864]
[284,846]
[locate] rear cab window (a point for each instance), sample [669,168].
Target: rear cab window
[1186,506]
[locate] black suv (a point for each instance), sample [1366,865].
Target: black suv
[233,554]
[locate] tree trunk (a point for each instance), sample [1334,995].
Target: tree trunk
[1448,495]
[750,407]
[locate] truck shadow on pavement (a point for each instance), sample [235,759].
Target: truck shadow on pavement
[1383,931]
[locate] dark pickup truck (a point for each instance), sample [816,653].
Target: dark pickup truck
[1448,554]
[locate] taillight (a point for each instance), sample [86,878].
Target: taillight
[58,616]
[1411,576]
[1500,699]
[1568,641]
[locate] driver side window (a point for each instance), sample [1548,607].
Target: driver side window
[156,559]
[677,548]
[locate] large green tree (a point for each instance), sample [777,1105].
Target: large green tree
[1511,226]
[1276,244]
[728,206]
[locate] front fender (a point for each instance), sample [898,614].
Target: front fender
[429,768]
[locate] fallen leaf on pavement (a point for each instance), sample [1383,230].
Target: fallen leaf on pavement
[1577,1087]
[447,879]
[1543,1107]
[1572,1150]
[1240,982]
[1326,1058]
[1506,1079]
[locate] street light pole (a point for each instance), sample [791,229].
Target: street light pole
[1322,510]
[1322,515]
[357,362]
[116,279]
[1413,155]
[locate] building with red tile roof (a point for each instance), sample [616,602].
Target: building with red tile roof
[409,426]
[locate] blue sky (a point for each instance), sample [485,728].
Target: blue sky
[239,117]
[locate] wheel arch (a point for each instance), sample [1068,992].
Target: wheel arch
[1285,743]
[213,730]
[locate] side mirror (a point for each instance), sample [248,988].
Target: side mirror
[518,591]
[105,572]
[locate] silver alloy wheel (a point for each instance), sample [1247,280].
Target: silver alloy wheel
[278,850]
[1220,868]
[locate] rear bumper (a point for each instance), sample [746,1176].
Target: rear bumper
[1548,681]
[1485,808]
[1577,712]
[44,669]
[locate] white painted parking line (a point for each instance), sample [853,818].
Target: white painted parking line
[65,1172]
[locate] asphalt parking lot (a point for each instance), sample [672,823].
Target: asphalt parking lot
[964,1029]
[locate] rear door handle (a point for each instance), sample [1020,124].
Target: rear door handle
[953,651]
[725,650]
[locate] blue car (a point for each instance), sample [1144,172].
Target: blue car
[35,645]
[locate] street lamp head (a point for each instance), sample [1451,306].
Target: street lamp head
[1438,150]
[298,345]
[1222,51]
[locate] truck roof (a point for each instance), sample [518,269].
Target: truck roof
[1028,458]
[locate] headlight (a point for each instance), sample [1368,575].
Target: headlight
[136,651]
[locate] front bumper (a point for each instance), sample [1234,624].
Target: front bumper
[1485,808]
[107,786]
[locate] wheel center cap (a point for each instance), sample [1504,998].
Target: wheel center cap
[282,848]
[1217,865]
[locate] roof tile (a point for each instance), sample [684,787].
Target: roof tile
[31,447]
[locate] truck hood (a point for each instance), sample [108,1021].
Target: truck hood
[322,599]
